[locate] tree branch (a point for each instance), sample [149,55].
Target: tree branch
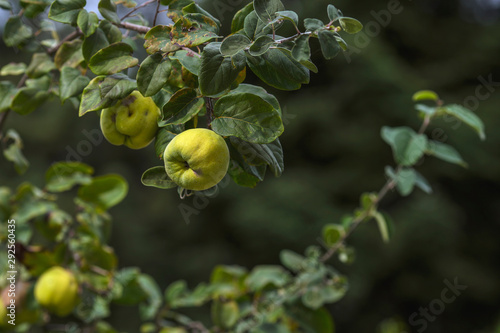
[75,34]
[156,13]
[389,185]
[137,8]
[130,26]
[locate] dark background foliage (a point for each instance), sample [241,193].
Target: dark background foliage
[333,153]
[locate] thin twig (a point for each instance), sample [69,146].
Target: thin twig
[191,52]
[130,26]
[75,34]
[156,13]
[137,8]
[279,41]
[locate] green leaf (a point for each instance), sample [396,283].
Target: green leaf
[238,22]
[266,9]
[184,105]
[425,95]
[333,13]
[189,60]
[383,226]
[185,33]
[33,8]
[72,83]
[261,45]
[62,176]
[445,152]
[290,16]
[332,234]
[164,136]
[301,50]
[423,184]
[466,116]
[104,35]
[158,39]
[104,327]
[342,43]
[311,321]
[426,110]
[293,261]
[130,292]
[218,73]
[257,154]
[175,291]
[263,276]
[108,10]
[312,24]
[254,27]
[7,93]
[93,253]
[13,69]
[104,191]
[194,13]
[241,177]
[259,91]
[69,54]
[406,180]
[87,22]
[248,117]
[408,147]
[234,44]
[154,297]
[28,100]
[16,32]
[153,74]
[279,69]
[350,25]
[157,177]
[13,152]
[313,298]
[225,314]
[66,11]
[5,4]
[329,45]
[104,91]
[113,59]
[92,306]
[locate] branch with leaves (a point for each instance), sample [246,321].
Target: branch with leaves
[195,77]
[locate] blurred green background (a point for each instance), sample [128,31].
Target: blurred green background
[333,153]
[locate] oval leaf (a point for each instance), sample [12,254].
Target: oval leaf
[234,44]
[350,25]
[248,117]
[62,176]
[104,91]
[279,69]
[72,83]
[445,152]
[113,59]
[157,177]
[66,11]
[217,73]
[104,191]
[183,106]
[153,74]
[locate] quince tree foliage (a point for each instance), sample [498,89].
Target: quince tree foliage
[196,78]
